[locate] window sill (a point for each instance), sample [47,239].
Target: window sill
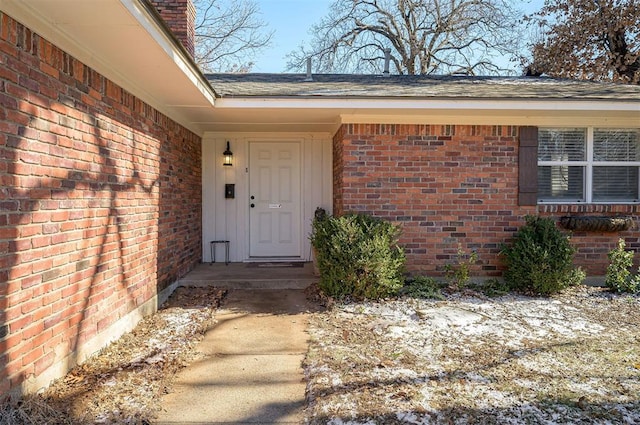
[588,203]
[620,209]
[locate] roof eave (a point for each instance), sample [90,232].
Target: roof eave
[254,114]
[128,43]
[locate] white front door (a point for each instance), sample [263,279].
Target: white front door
[274,199]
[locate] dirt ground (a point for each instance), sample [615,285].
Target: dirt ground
[468,359]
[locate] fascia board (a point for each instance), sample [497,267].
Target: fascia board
[429,104]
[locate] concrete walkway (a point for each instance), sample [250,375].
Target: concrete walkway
[251,371]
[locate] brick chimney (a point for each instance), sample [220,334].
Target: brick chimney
[180,17]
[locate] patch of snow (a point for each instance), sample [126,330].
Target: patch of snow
[476,377]
[445,317]
[338,421]
[409,418]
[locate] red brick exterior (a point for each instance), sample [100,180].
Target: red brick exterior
[593,247]
[99,203]
[448,187]
[180,17]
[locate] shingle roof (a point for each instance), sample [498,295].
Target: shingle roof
[414,86]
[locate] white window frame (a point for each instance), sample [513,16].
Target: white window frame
[588,165]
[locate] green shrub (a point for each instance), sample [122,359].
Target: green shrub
[494,288]
[459,274]
[540,259]
[358,255]
[619,276]
[422,287]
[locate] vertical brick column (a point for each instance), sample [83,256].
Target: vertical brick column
[338,172]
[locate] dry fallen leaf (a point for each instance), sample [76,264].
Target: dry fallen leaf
[345,334]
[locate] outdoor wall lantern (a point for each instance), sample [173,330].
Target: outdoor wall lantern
[228,156]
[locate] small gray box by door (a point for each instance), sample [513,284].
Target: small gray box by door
[229,191]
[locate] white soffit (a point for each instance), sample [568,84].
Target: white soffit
[122,41]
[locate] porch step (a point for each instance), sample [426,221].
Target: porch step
[251,284]
[244,276]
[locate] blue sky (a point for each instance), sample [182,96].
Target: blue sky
[292,19]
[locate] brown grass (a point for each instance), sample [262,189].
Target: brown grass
[470,359]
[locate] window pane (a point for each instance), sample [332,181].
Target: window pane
[615,184]
[616,145]
[562,144]
[561,183]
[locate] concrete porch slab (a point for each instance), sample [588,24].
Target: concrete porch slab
[248,276]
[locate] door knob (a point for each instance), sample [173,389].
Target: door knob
[253,197]
[253,205]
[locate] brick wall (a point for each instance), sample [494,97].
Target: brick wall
[594,246]
[448,187]
[99,204]
[180,16]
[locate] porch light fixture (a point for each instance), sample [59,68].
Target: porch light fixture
[228,156]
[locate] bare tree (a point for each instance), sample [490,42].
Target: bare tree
[229,33]
[587,39]
[425,37]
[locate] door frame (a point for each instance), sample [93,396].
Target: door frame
[301,200]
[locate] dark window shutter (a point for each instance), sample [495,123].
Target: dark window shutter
[528,166]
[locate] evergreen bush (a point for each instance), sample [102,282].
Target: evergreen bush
[619,276]
[358,255]
[540,259]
